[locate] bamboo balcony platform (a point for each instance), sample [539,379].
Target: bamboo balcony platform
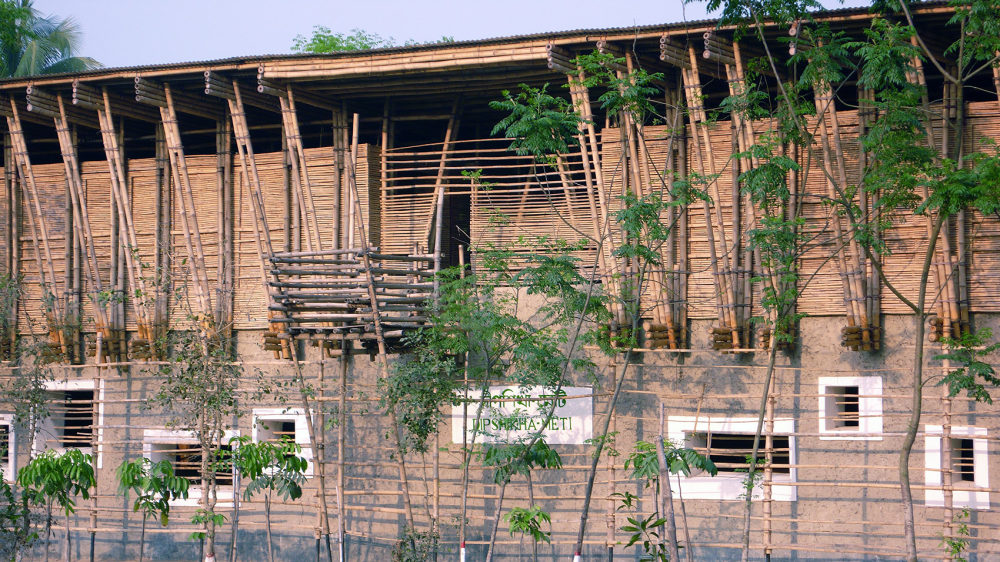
[323,295]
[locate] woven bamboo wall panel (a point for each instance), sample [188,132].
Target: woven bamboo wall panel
[96,179]
[983,233]
[143,193]
[702,298]
[614,167]
[4,222]
[516,204]
[369,182]
[250,307]
[203,173]
[50,179]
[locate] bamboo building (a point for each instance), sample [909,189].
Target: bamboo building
[305,202]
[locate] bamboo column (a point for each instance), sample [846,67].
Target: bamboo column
[185,198]
[727,334]
[81,219]
[848,266]
[39,229]
[437,200]
[948,322]
[164,239]
[590,153]
[302,188]
[261,230]
[121,200]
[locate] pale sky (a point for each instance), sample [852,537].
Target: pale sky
[141,32]
[138,32]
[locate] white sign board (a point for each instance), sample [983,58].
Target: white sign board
[512,413]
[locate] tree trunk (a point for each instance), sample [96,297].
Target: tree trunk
[772,355]
[531,504]
[496,522]
[267,525]
[578,549]
[668,499]
[236,515]
[684,523]
[142,537]
[48,530]
[917,399]
[66,553]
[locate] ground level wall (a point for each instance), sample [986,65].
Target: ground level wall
[846,498]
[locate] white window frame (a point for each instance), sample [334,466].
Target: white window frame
[729,486]
[10,471]
[869,409]
[933,461]
[151,437]
[295,415]
[70,385]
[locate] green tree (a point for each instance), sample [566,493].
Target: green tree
[323,40]
[198,392]
[906,174]
[31,44]
[154,485]
[272,468]
[55,479]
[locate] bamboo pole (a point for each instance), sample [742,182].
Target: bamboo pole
[189,216]
[300,174]
[437,200]
[83,234]
[824,97]
[377,319]
[39,229]
[123,204]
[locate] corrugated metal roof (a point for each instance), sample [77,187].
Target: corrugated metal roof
[555,35]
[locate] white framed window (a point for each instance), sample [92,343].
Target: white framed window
[182,450]
[8,444]
[969,465]
[850,408]
[727,441]
[274,424]
[71,420]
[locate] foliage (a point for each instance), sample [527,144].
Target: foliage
[208,518]
[15,522]
[539,124]
[529,522]
[517,459]
[417,388]
[956,545]
[154,486]
[57,478]
[323,40]
[415,546]
[270,467]
[967,352]
[31,44]
[624,92]
[643,530]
